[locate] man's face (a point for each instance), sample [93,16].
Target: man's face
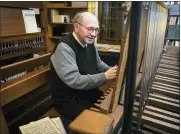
[88,31]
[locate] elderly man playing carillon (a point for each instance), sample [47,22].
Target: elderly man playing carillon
[76,68]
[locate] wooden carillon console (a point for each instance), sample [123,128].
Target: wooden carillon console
[24,68]
[105,114]
[22,45]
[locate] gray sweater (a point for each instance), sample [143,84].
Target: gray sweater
[64,62]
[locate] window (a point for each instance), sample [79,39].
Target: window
[112,18]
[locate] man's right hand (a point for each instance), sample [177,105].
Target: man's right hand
[111,73]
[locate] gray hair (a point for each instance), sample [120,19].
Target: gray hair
[78,18]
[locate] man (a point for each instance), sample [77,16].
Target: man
[76,68]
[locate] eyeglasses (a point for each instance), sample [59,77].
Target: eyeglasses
[90,29]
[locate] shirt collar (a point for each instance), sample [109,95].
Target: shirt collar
[75,36]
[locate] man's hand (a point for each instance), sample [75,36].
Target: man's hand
[111,73]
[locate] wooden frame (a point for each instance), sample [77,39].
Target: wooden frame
[99,40]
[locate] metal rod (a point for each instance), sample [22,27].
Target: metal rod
[132,62]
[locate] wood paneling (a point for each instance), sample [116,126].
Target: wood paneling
[121,68]
[22,66]
[22,4]
[12,22]
[32,81]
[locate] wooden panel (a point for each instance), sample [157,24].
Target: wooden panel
[12,22]
[3,124]
[138,80]
[33,81]
[22,4]
[25,52]
[106,86]
[93,123]
[32,114]
[26,65]
[15,108]
[21,37]
[104,106]
[117,114]
[51,113]
[121,68]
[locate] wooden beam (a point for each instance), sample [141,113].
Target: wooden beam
[121,68]
[26,65]
[22,4]
[32,81]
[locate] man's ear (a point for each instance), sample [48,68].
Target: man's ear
[76,27]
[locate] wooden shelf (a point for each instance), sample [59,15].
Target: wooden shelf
[56,23]
[28,34]
[176,39]
[21,37]
[59,5]
[55,37]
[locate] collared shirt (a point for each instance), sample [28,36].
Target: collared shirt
[75,36]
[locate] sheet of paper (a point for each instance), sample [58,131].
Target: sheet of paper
[43,126]
[30,21]
[59,124]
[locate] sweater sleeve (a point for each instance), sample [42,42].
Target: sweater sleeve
[64,62]
[101,66]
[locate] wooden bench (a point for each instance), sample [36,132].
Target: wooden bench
[24,92]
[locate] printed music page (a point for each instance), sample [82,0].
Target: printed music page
[43,126]
[59,124]
[30,21]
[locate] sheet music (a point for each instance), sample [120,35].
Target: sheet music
[43,126]
[59,124]
[30,21]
